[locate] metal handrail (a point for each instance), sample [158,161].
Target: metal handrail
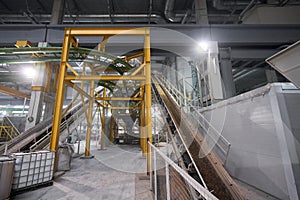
[62,127]
[187,150]
[10,122]
[198,187]
[199,115]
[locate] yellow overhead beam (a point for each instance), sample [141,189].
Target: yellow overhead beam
[105,31]
[72,69]
[13,92]
[118,98]
[104,78]
[74,41]
[138,69]
[23,43]
[81,91]
[122,107]
[127,58]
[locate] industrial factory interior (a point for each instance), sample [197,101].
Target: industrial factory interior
[150,99]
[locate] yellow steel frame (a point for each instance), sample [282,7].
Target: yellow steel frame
[142,73]
[7,132]
[13,92]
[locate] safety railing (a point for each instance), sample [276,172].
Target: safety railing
[66,122]
[167,173]
[213,138]
[176,134]
[8,131]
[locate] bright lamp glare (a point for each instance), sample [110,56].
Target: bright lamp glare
[204,45]
[29,72]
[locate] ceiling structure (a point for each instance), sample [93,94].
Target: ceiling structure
[132,11]
[245,47]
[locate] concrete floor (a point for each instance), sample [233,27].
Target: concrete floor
[116,173]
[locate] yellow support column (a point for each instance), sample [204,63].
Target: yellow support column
[59,96]
[143,136]
[103,121]
[111,129]
[148,99]
[89,121]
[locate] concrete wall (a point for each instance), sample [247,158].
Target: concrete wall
[263,149]
[273,15]
[290,107]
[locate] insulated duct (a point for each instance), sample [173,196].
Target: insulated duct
[169,10]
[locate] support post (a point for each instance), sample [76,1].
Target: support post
[226,73]
[143,136]
[59,96]
[148,99]
[271,76]
[79,138]
[201,12]
[102,139]
[155,174]
[111,130]
[49,106]
[57,14]
[37,94]
[168,181]
[89,121]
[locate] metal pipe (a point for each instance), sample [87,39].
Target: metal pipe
[109,11]
[201,12]
[251,70]
[185,17]
[150,10]
[283,2]
[57,12]
[169,10]
[227,5]
[102,18]
[249,6]
[118,18]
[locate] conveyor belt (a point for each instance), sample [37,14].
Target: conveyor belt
[215,176]
[181,188]
[41,132]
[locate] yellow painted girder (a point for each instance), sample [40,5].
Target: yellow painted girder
[72,69]
[78,89]
[127,58]
[13,92]
[119,98]
[105,31]
[104,78]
